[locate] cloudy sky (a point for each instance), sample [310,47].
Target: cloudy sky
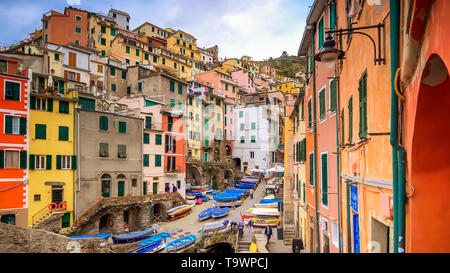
[258,28]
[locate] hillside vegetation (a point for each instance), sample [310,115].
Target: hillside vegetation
[288,65]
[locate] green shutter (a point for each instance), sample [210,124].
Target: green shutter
[32,102]
[325,179]
[74,162]
[8,124]
[322,111]
[65,220]
[180,89]
[157,160]
[122,127]
[2,159]
[50,105]
[103,123]
[23,159]
[342,128]
[32,163]
[158,140]
[363,106]
[61,87]
[309,114]
[124,75]
[58,162]
[146,138]
[333,92]
[48,162]
[146,160]
[311,169]
[350,120]
[63,133]
[172,86]
[321,33]
[40,131]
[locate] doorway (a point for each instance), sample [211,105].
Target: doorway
[121,188]
[379,237]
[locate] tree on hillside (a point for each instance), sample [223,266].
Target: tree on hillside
[284,54]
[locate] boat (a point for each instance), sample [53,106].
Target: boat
[206,214]
[223,230]
[244,186]
[271,196]
[154,238]
[264,211]
[200,187]
[205,199]
[266,205]
[151,247]
[180,215]
[102,236]
[179,209]
[254,177]
[247,182]
[231,204]
[196,194]
[190,196]
[213,226]
[180,243]
[218,213]
[265,201]
[132,236]
[225,197]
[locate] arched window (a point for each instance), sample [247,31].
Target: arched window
[106,185]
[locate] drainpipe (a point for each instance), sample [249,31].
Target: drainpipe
[398,152]
[338,154]
[315,139]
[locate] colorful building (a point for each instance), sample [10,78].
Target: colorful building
[14,141]
[65,28]
[291,87]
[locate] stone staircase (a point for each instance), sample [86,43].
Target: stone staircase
[42,219]
[288,234]
[243,247]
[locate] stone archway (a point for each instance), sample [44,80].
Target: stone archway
[158,212]
[194,174]
[106,224]
[430,169]
[229,176]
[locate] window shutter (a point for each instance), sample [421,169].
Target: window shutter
[23,126]
[50,105]
[32,163]
[146,160]
[8,124]
[173,162]
[48,162]
[58,162]
[66,74]
[168,163]
[174,144]
[311,169]
[146,138]
[158,140]
[23,159]
[324,179]
[350,120]
[74,162]
[32,102]
[167,144]
[103,123]
[78,77]
[2,159]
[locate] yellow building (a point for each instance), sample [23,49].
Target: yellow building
[230,65]
[194,124]
[151,30]
[291,87]
[102,30]
[250,65]
[53,161]
[184,44]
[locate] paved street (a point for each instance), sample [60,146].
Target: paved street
[190,223]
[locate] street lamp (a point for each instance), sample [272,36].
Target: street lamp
[329,54]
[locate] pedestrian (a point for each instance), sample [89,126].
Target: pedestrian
[167,188]
[250,226]
[125,227]
[268,232]
[174,189]
[241,230]
[297,245]
[251,193]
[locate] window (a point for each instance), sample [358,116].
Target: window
[205,157]
[41,104]
[146,160]
[163,61]
[113,32]
[100,68]
[78,18]
[324,178]
[12,91]
[180,89]
[322,110]
[103,53]
[146,138]
[124,75]
[103,41]
[122,127]
[155,59]
[242,139]
[103,29]
[148,122]
[242,127]
[253,139]
[127,61]
[39,161]
[350,120]
[103,149]
[146,56]
[64,107]
[226,86]
[112,71]
[172,86]
[175,65]
[121,151]
[15,125]
[172,103]
[253,125]
[113,87]
[333,97]
[127,49]
[158,161]
[11,159]
[241,114]
[77,29]
[63,133]
[37,197]
[63,162]
[252,154]
[137,52]
[56,57]
[363,106]
[342,127]
[158,139]
[103,123]
[311,169]
[139,86]
[40,131]
[179,105]
[334,233]
[310,114]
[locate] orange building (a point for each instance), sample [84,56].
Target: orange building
[64,28]
[424,130]
[14,119]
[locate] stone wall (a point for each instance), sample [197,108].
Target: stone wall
[14,239]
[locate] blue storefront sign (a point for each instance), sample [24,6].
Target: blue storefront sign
[356,233]
[354,197]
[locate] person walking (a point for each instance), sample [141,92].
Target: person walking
[167,189]
[268,232]
[250,226]
[125,227]
[174,189]
[251,193]
[241,230]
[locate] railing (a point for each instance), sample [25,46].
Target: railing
[38,215]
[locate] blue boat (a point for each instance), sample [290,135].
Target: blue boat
[247,182]
[132,236]
[254,177]
[225,197]
[180,243]
[103,236]
[206,214]
[218,213]
[244,186]
[154,238]
[195,193]
[150,248]
[265,201]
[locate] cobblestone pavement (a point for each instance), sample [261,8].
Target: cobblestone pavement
[190,223]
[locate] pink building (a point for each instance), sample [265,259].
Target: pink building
[244,80]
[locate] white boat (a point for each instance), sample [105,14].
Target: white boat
[209,233]
[264,211]
[271,196]
[235,203]
[266,205]
[214,226]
